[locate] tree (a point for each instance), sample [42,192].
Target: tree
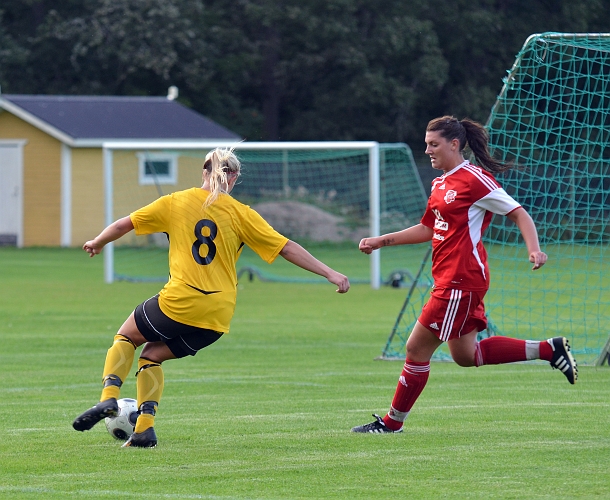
[366,79]
[320,70]
[289,70]
[481,38]
[128,47]
[12,55]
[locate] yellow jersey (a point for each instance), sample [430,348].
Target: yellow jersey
[204,245]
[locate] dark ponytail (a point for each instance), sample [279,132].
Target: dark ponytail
[469,132]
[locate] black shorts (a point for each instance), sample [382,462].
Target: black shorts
[183,340]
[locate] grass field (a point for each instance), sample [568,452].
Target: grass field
[152,262]
[570,296]
[265,413]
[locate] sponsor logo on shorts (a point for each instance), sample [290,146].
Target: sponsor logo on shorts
[434,326]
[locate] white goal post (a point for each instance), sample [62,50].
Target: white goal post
[374,179]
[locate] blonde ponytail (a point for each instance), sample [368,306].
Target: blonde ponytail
[219,165]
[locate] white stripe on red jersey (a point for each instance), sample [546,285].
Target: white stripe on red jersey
[460,208]
[478,172]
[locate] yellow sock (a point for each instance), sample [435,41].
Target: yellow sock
[145,420]
[150,383]
[118,363]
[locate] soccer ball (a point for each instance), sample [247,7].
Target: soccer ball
[123,425]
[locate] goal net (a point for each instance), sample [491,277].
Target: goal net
[552,118]
[326,196]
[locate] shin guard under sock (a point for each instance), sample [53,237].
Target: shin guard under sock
[119,359]
[411,383]
[149,383]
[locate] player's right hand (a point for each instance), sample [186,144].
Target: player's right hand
[91,248]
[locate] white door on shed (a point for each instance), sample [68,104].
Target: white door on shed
[11,193]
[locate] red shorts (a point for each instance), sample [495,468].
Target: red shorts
[450,313]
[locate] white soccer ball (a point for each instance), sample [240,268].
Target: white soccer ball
[123,425]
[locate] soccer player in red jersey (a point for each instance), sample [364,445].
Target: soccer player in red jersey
[207,229]
[460,207]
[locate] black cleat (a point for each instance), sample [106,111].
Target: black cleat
[92,416]
[563,359]
[146,439]
[376,427]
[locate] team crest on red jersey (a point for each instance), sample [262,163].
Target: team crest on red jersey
[450,196]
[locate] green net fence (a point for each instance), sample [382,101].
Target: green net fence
[552,118]
[317,197]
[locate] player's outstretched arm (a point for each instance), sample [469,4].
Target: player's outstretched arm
[297,255]
[113,232]
[530,236]
[414,234]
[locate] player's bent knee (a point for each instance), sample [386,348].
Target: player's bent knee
[156,353]
[119,337]
[463,360]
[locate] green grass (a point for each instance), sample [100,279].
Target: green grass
[569,297]
[265,413]
[345,257]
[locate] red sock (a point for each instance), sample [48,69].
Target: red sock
[546,351]
[410,385]
[499,350]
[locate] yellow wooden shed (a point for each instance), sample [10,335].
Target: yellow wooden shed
[51,161]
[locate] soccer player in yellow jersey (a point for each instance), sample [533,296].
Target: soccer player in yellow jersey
[207,230]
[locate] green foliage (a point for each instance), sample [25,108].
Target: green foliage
[265,413]
[12,54]
[127,42]
[338,69]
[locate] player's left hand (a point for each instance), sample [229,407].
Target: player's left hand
[538,259]
[367,245]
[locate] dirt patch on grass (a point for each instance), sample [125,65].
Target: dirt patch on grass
[302,221]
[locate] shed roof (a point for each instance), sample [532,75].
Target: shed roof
[87,120]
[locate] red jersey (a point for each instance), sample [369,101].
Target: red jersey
[461,205]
